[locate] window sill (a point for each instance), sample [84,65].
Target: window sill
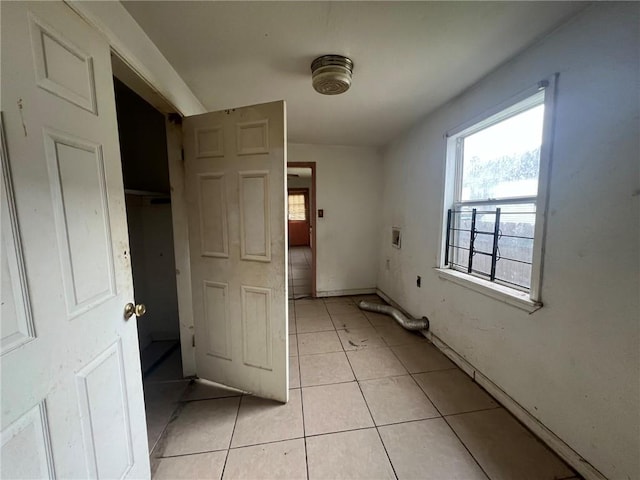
[504,294]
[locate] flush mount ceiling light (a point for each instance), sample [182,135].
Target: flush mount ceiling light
[331,74]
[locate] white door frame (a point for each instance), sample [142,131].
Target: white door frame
[178,210]
[164,87]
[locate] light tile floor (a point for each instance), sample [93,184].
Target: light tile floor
[164,389]
[299,272]
[370,402]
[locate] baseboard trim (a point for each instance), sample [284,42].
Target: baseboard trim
[340,293]
[555,443]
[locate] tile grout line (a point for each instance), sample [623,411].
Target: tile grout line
[393,469]
[304,428]
[443,418]
[474,411]
[233,431]
[269,442]
[466,448]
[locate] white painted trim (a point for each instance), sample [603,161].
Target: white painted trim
[544,178]
[264,175]
[504,294]
[549,438]
[541,93]
[340,293]
[15,254]
[555,443]
[135,48]
[181,247]
[223,208]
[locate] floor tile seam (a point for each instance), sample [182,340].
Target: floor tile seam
[375,426]
[300,381]
[380,378]
[312,317]
[427,395]
[411,374]
[328,384]
[317,354]
[415,420]
[467,448]
[388,376]
[497,407]
[434,370]
[268,442]
[204,452]
[524,427]
[416,383]
[319,331]
[304,427]
[212,398]
[306,458]
[358,429]
[233,431]
[359,312]
[175,414]
[360,390]
[445,416]
[458,413]
[360,348]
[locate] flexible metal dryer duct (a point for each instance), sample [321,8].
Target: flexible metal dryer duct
[397,315]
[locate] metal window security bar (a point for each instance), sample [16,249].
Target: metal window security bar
[464,241]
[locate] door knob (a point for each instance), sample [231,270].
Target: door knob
[130,309]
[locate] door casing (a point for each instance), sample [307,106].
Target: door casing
[312,218]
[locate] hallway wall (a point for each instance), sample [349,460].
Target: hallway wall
[574,364]
[348,183]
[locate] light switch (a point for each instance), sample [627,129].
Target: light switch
[320,213]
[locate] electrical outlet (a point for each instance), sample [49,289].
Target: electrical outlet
[418,281]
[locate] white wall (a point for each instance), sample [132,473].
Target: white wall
[137,50]
[153,265]
[299,182]
[348,183]
[574,364]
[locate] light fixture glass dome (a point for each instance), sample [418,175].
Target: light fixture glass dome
[331,74]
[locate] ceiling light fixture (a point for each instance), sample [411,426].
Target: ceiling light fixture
[331,74]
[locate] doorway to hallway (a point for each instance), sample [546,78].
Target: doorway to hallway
[301,238]
[300,260]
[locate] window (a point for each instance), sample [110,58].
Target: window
[496,174]
[297,205]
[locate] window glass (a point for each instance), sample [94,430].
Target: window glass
[491,227]
[503,160]
[297,207]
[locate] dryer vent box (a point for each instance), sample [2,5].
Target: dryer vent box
[395,237]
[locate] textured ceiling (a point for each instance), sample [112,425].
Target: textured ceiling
[410,57]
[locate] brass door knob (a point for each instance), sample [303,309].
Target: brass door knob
[130,309]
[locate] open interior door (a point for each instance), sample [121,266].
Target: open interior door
[72,402]
[235,182]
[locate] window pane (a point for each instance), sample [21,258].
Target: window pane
[503,160]
[297,207]
[515,244]
[515,241]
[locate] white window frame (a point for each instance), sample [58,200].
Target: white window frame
[531,300]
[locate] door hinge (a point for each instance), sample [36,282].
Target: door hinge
[193,340]
[182,154]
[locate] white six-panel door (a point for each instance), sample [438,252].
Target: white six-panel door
[235,183]
[72,402]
